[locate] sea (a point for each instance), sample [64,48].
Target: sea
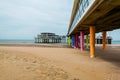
[19,41]
[16,41]
[32,41]
[115,41]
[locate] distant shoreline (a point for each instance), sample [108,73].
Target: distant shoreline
[20,41]
[54,45]
[50,45]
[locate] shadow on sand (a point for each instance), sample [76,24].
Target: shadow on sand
[111,55]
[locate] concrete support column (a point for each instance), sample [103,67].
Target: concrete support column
[81,40]
[76,40]
[69,41]
[92,41]
[73,41]
[104,40]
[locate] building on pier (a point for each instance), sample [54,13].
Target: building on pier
[49,38]
[99,40]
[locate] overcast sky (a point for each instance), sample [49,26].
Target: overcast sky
[24,19]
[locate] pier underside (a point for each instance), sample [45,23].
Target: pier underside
[104,15]
[99,16]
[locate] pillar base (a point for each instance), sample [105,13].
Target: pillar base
[92,56]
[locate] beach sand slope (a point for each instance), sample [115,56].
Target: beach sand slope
[33,63]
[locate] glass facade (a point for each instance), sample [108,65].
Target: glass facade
[83,6]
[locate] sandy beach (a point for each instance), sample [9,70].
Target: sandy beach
[57,63]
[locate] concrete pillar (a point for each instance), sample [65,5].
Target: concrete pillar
[69,41]
[81,40]
[104,40]
[73,41]
[92,41]
[76,40]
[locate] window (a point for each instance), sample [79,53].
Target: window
[83,5]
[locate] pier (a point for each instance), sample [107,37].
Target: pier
[49,38]
[90,17]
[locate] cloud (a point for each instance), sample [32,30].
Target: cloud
[29,17]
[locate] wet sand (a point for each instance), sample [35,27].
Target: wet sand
[56,63]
